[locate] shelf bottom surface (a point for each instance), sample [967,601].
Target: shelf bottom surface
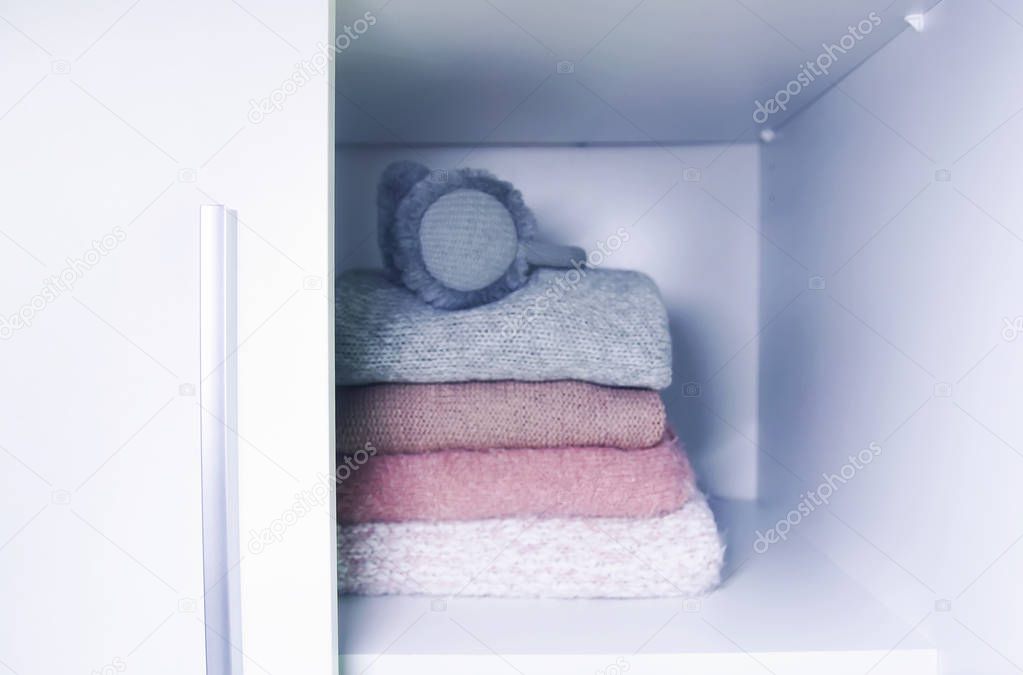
[789,609]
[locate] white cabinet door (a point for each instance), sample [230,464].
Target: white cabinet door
[117,121]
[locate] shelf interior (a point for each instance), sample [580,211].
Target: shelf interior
[790,600]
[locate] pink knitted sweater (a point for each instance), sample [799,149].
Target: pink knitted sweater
[503,414]
[553,482]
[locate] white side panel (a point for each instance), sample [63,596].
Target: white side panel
[692,217]
[907,207]
[117,121]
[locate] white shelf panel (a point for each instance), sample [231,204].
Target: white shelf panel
[788,610]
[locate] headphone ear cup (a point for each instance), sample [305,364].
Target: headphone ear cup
[395,183]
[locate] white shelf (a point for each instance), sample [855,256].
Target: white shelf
[789,610]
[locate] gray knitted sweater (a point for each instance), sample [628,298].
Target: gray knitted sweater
[604,326]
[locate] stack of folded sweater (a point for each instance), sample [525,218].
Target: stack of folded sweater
[515,449]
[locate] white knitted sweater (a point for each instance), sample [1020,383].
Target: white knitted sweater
[679,554]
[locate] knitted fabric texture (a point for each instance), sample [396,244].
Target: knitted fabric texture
[505,414]
[467,240]
[678,554]
[470,484]
[603,326]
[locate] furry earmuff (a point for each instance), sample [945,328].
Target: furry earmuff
[459,238]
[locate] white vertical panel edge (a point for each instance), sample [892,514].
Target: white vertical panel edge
[285,358]
[332,273]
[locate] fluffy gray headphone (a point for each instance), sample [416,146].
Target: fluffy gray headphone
[459,238]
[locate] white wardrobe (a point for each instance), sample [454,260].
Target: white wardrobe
[825,193]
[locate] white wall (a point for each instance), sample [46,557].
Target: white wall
[904,345]
[130,115]
[695,237]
